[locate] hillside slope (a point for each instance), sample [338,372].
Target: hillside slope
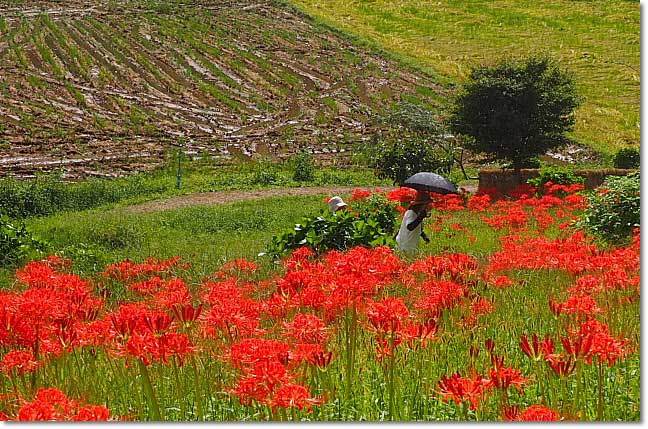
[104,88]
[597,40]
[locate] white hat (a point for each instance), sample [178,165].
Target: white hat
[336,203]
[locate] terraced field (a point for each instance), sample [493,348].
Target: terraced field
[104,89]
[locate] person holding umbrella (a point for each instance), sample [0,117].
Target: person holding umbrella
[412,227]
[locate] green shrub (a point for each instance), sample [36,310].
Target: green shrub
[265,177]
[516,110]
[17,243]
[627,157]
[398,160]
[341,230]
[50,194]
[304,167]
[558,175]
[614,209]
[416,142]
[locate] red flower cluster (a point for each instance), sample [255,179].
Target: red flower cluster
[50,404]
[127,270]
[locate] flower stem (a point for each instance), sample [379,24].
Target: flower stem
[198,395]
[148,389]
[351,339]
[599,408]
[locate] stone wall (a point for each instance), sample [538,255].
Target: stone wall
[506,180]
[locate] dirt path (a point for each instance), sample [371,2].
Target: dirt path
[224,197]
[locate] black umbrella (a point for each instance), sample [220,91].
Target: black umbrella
[431,182]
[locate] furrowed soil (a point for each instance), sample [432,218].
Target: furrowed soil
[109,88]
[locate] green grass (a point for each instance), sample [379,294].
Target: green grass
[204,236]
[48,194]
[596,40]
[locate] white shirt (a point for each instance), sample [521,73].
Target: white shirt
[408,240]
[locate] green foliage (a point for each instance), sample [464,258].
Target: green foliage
[304,167]
[17,243]
[614,210]
[558,175]
[49,194]
[627,157]
[265,173]
[373,226]
[416,142]
[516,110]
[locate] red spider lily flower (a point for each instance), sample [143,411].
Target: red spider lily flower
[92,413]
[479,203]
[504,377]
[438,296]
[561,366]
[449,202]
[249,351]
[261,382]
[50,404]
[582,305]
[157,322]
[463,389]
[173,344]
[305,352]
[586,285]
[490,345]
[292,395]
[538,413]
[422,332]
[603,346]
[148,348]
[126,270]
[19,361]
[322,359]
[511,413]
[307,328]
[555,307]
[501,282]
[579,348]
[359,194]
[386,347]
[298,257]
[186,313]
[240,265]
[537,349]
[148,286]
[388,314]
[402,195]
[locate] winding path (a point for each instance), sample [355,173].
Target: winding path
[224,197]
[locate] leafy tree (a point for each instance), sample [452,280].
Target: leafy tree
[516,110]
[416,142]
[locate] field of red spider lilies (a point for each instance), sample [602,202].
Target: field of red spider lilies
[544,327]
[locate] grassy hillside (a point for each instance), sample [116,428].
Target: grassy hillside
[597,40]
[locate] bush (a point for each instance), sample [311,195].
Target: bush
[340,230]
[304,167]
[49,194]
[16,242]
[265,177]
[627,157]
[614,209]
[557,175]
[516,110]
[416,142]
